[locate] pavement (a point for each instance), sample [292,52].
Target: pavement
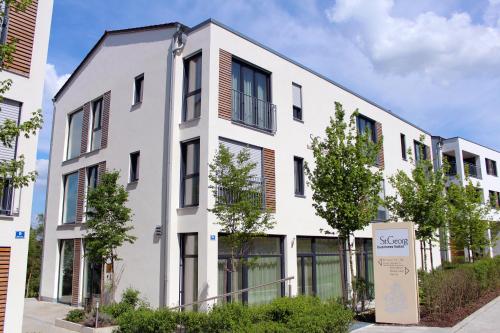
[39,316]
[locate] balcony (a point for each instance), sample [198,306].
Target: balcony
[256,193]
[472,170]
[6,199]
[253,112]
[452,169]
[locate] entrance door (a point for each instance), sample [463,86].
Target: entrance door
[4,280]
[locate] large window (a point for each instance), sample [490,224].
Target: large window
[190,173]
[267,265]
[491,167]
[364,263]
[494,199]
[192,88]
[252,96]
[70,197]
[92,276]
[95,139]
[319,268]
[189,269]
[366,125]
[74,134]
[297,101]
[420,151]
[65,271]
[298,168]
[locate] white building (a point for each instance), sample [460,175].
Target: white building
[133,99]
[480,164]
[27,71]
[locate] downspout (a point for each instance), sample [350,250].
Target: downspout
[177,44]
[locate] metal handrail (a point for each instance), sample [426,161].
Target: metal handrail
[263,112]
[258,183]
[234,293]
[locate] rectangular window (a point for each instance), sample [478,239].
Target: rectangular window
[91,181]
[190,173]
[297,101]
[70,197]
[420,151]
[491,167]
[189,269]
[192,88]
[138,88]
[65,285]
[6,194]
[403,146]
[95,137]
[92,275]
[298,167]
[75,122]
[364,264]
[134,166]
[495,199]
[366,125]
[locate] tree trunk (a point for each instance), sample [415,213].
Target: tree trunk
[430,252]
[28,285]
[425,256]
[353,281]
[421,255]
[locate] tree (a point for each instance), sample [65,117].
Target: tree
[467,218]
[12,172]
[107,222]
[420,198]
[346,186]
[34,257]
[238,200]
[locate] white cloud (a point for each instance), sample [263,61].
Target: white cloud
[42,166]
[435,45]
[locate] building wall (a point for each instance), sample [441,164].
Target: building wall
[28,90]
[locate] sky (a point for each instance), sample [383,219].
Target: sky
[434,63]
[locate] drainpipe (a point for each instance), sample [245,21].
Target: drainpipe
[177,44]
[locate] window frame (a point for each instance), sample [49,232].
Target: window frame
[184,176]
[93,130]
[298,162]
[186,93]
[134,173]
[138,95]
[298,109]
[403,146]
[367,120]
[68,139]
[87,182]
[491,167]
[416,151]
[183,256]
[65,196]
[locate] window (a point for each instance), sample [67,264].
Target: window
[91,180]
[403,146]
[189,269]
[319,270]
[491,167]
[134,166]
[6,194]
[297,101]
[366,125]
[190,173]
[364,264]
[138,88]
[74,134]
[420,151]
[4,23]
[298,167]
[92,275]
[70,197]
[95,138]
[267,265]
[66,253]
[192,88]
[495,199]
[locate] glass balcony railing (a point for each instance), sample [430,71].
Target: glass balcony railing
[254,112]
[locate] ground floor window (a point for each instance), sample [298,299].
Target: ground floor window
[92,278]
[319,267]
[364,263]
[189,269]
[65,271]
[261,263]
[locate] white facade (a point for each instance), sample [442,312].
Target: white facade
[156,128]
[26,90]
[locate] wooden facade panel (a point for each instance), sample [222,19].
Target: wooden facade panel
[106,106]
[21,28]
[75,287]
[270,178]
[380,158]
[225,89]
[4,281]
[85,128]
[80,198]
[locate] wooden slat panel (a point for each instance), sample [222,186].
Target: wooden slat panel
[85,128]
[225,90]
[80,197]
[76,272]
[380,158]
[270,178]
[106,110]
[4,280]
[21,27]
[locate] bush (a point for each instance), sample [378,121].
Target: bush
[104,320]
[75,316]
[131,297]
[193,322]
[454,286]
[145,320]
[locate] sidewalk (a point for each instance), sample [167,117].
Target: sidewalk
[39,316]
[484,320]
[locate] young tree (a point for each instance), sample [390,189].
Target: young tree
[107,222]
[238,200]
[34,257]
[12,172]
[467,218]
[346,186]
[420,198]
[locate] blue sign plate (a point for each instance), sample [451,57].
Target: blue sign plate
[19,234]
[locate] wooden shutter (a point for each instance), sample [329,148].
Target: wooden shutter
[9,110]
[4,281]
[225,90]
[380,158]
[80,198]
[75,283]
[85,128]
[270,178]
[106,106]
[21,28]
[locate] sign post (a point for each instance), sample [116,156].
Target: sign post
[396,284]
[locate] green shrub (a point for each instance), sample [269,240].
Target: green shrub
[104,320]
[75,316]
[193,322]
[130,296]
[145,320]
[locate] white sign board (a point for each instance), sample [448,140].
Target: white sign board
[392,243]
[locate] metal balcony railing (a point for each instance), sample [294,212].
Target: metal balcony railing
[255,194]
[473,170]
[6,199]
[253,112]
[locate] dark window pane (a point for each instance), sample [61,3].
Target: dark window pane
[65,271]
[75,134]
[96,124]
[134,166]
[304,245]
[70,197]
[299,175]
[327,245]
[190,173]
[138,89]
[192,88]
[403,146]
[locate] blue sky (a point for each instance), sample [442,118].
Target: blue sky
[435,63]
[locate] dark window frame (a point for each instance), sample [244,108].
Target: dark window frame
[68,139]
[416,145]
[403,146]
[297,110]
[135,162]
[95,129]
[138,94]
[88,176]
[367,120]
[298,172]
[491,167]
[185,176]
[182,257]
[187,93]
[65,183]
